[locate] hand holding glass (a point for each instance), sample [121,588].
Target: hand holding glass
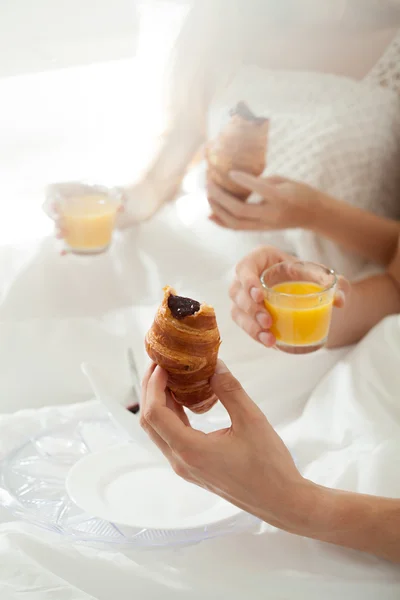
[85,216]
[299,297]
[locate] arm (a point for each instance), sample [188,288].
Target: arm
[194,72]
[249,465]
[357,230]
[289,204]
[368,302]
[367,523]
[177,151]
[162,180]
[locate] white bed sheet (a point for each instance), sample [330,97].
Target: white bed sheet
[338,411]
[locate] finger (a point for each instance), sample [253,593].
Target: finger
[158,441]
[215,220]
[177,409]
[232,222]
[178,465]
[343,290]
[223,217]
[59,224]
[269,189]
[145,383]
[218,222]
[239,209]
[155,438]
[244,302]
[252,328]
[233,397]
[234,289]
[165,422]
[276,180]
[55,208]
[245,322]
[250,269]
[254,310]
[248,273]
[267,339]
[60,233]
[254,184]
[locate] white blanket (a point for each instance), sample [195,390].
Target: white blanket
[338,411]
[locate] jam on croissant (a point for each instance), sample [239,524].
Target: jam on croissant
[240,146]
[184,340]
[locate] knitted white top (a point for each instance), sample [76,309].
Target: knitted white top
[335,133]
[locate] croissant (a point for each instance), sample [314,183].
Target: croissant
[184,340]
[241,146]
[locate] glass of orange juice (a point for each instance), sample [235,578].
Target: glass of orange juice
[86,214]
[299,297]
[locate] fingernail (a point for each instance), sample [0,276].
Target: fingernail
[265,338]
[263,320]
[221,368]
[233,174]
[256,294]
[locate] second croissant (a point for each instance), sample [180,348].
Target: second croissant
[241,146]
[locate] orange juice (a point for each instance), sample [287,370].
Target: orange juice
[88,222]
[301,313]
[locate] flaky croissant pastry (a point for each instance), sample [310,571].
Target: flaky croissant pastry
[184,340]
[241,146]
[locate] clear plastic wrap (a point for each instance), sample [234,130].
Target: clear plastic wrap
[32,487]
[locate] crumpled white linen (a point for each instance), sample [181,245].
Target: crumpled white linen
[56,312]
[336,410]
[347,435]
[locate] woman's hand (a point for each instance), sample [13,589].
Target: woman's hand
[284,204]
[247,463]
[246,292]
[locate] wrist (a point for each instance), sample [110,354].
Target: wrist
[164,188]
[319,208]
[351,520]
[303,500]
[329,515]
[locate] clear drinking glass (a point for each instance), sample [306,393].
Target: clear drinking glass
[86,214]
[299,297]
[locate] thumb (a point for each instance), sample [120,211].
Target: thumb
[233,397]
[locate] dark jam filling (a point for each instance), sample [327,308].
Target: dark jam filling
[182,307]
[242,110]
[134,409]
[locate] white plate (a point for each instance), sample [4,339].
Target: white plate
[127,486]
